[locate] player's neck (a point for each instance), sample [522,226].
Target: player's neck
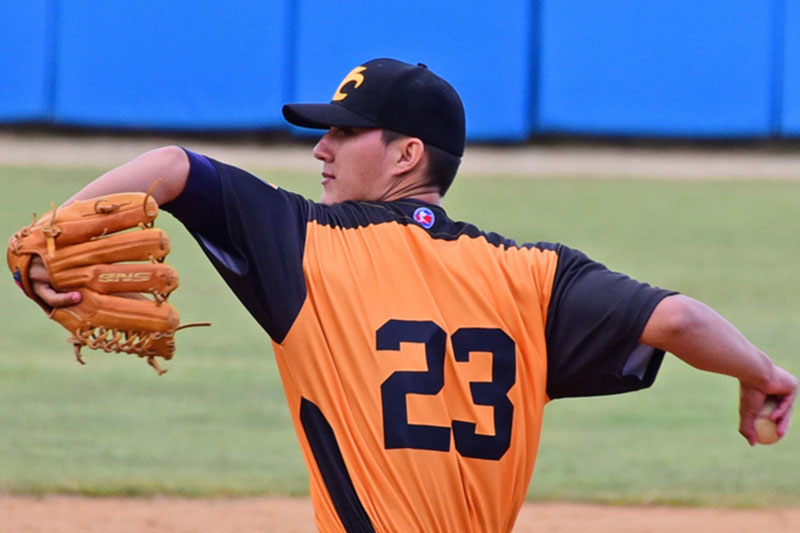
[433,198]
[424,193]
[413,186]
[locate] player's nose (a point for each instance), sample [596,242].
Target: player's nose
[323,149]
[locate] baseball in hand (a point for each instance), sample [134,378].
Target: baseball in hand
[766,430]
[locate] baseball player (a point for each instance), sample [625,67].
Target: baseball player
[418,352]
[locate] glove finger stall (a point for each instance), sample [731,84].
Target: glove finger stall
[116,278]
[99,216]
[120,324]
[150,244]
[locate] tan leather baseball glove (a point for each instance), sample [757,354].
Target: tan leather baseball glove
[120,274]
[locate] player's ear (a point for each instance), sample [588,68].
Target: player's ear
[407,155]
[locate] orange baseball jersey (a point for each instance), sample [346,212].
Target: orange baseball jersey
[417,353]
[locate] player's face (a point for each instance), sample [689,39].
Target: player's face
[356,165]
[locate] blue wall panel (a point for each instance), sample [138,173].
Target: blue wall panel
[621,67]
[482,48]
[661,67]
[790,119]
[26,59]
[171,64]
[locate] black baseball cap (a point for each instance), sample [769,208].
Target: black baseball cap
[390,94]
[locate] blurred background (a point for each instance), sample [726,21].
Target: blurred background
[525,68]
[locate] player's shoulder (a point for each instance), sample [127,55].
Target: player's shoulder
[414,213]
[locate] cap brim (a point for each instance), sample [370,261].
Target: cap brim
[323,116]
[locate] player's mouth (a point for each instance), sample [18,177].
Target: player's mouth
[327,177]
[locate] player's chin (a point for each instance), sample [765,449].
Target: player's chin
[331,195]
[328,193]
[326,198]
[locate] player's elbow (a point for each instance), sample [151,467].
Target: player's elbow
[173,160]
[170,153]
[171,166]
[675,318]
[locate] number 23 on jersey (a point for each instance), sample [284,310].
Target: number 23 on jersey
[398,432]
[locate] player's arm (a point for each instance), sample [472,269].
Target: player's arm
[701,337]
[169,164]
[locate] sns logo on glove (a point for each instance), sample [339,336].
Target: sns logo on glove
[116,277]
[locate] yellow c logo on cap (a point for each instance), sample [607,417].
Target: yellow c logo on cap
[355,76]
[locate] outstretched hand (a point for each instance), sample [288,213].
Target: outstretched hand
[782,387]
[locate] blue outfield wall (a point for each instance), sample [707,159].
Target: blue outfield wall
[482,48]
[661,67]
[171,64]
[790,82]
[26,60]
[684,68]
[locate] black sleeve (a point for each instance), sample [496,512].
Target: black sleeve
[594,322]
[254,235]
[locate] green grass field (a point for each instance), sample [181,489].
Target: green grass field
[217,423]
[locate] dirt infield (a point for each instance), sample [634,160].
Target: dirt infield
[60,514]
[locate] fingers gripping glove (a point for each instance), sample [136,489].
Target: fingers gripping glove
[123,281]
